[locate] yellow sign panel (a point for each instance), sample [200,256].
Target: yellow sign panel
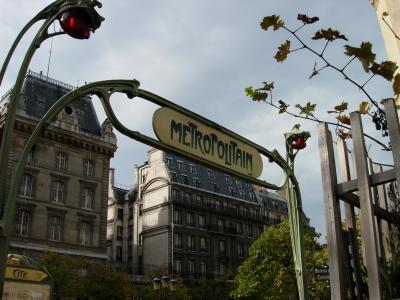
[194,137]
[25,274]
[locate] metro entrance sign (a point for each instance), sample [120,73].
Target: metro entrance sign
[191,135]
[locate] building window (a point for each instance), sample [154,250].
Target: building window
[240,249]
[178,217]
[191,267]
[61,159]
[202,221]
[58,192]
[174,195]
[221,246]
[221,268]
[130,232]
[178,241]
[228,179]
[196,182]
[193,169]
[181,166]
[241,193]
[187,197]
[203,244]
[131,213]
[87,198]
[120,214]
[221,225]
[170,162]
[55,227]
[232,191]
[239,228]
[199,199]
[32,155]
[174,177]
[85,234]
[249,230]
[178,266]
[252,196]
[26,188]
[215,187]
[118,254]
[88,167]
[142,175]
[203,268]
[120,230]
[191,242]
[22,225]
[238,183]
[211,174]
[190,219]
[185,179]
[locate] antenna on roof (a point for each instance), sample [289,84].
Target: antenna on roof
[51,50]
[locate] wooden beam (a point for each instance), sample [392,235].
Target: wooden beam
[332,214]
[367,219]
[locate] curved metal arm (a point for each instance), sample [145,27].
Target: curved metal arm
[50,13]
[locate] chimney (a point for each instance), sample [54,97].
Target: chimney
[111,176]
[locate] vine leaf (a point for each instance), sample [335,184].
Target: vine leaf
[396,85]
[343,119]
[307,110]
[315,72]
[363,53]
[283,51]
[307,20]
[282,106]
[364,107]
[329,35]
[255,94]
[272,21]
[385,69]
[341,107]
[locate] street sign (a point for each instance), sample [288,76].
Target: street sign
[24,274]
[197,138]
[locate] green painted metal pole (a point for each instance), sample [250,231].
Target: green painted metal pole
[49,14]
[295,212]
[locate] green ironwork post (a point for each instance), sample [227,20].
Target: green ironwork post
[295,209]
[49,15]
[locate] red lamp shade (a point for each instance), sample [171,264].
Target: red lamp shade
[76,23]
[297,143]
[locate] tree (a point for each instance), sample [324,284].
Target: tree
[363,54]
[268,272]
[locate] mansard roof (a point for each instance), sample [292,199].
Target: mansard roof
[41,92]
[225,183]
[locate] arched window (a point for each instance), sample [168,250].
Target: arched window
[87,198]
[85,234]
[88,167]
[61,159]
[26,188]
[22,225]
[58,192]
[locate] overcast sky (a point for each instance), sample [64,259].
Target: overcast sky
[201,55]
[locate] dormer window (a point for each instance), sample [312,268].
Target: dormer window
[193,169]
[181,166]
[211,174]
[185,179]
[170,162]
[228,179]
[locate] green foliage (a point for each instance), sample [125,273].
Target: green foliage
[307,110]
[282,106]
[307,20]
[385,69]
[329,35]
[271,21]
[364,54]
[283,51]
[256,94]
[204,289]
[77,276]
[268,272]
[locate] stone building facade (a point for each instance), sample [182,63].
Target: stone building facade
[62,201]
[187,219]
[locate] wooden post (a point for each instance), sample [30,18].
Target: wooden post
[332,214]
[394,133]
[351,223]
[384,226]
[367,219]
